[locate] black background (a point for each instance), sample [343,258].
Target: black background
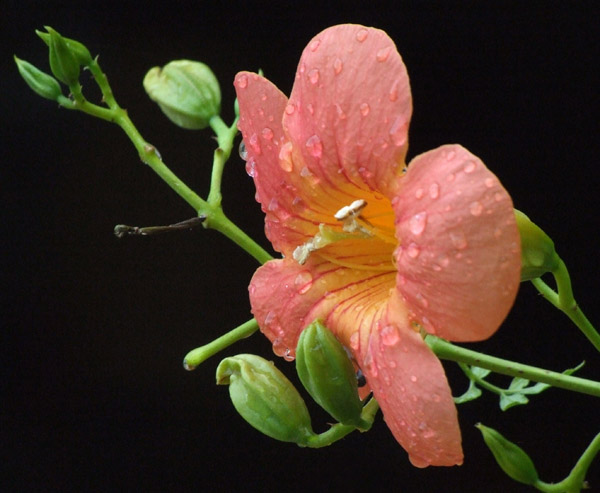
[94,328]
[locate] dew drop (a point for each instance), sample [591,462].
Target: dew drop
[243,81]
[498,197]
[497,233]
[450,155]
[314,45]
[393,94]
[383,54]
[273,205]
[413,250]
[254,144]
[470,166]
[413,378]
[417,223]
[354,341]
[458,240]
[303,281]
[305,172]
[434,190]
[364,109]
[289,109]
[362,35]
[398,131]
[267,133]
[310,108]
[390,335]
[340,112]
[450,178]
[436,397]
[287,354]
[422,300]
[285,157]
[251,168]
[315,146]
[243,151]
[476,208]
[419,192]
[489,182]
[313,76]
[338,65]
[443,260]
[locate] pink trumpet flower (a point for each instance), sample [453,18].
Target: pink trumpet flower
[381,251]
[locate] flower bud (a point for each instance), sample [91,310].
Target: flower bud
[40,82]
[510,457]
[63,63]
[538,255]
[265,398]
[327,373]
[187,92]
[81,53]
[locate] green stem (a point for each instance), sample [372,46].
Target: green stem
[481,381]
[575,481]
[339,431]
[225,136]
[565,302]
[197,356]
[446,350]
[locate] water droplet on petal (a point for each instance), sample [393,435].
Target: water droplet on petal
[390,335]
[434,190]
[393,94]
[413,378]
[314,45]
[289,109]
[243,151]
[362,35]
[242,81]
[303,281]
[458,240]
[364,109]
[476,208]
[498,196]
[489,182]
[315,146]
[422,300]
[413,250]
[285,157]
[354,341]
[304,172]
[287,354]
[450,177]
[267,133]
[254,144]
[273,205]
[398,131]
[450,155]
[313,76]
[310,108]
[419,192]
[417,223]
[251,168]
[383,54]
[340,112]
[470,166]
[338,65]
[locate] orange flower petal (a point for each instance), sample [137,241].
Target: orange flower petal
[459,256]
[350,108]
[410,385]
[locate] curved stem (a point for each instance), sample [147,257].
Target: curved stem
[339,431]
[446,350]
[565,302]
[197,356]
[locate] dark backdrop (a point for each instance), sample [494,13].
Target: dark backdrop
[94,328]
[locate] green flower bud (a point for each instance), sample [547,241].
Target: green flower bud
[81,53]
[63,63]
[187,92]
[265,398]
[510,457]
[40,82]
[538,255]
[327,373]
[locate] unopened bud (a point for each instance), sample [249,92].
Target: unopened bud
[327,373]
[63,62]
[538,255]
[265,398]
[40,82]
[186,91]
[513,460]
[81,53]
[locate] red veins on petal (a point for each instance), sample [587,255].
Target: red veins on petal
[374,251]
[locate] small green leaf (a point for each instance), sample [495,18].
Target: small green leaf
[518,383]
[472,393]
[40,82]
[480,372]
[508,400]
